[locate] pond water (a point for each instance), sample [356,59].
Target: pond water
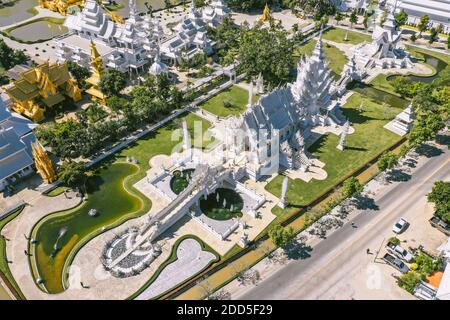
[438,64]
[108,197]
[39,30]
[16,11]
[141,7]
[379,96]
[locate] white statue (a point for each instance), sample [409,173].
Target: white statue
[344,133]
[282,203]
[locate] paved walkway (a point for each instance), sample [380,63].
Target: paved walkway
[191,259]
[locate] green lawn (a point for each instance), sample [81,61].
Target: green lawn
[369,139]
[237,96]
[335,57]
[108,195]
[338,35]
[382,83]
[4,266]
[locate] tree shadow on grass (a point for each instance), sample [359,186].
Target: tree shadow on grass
[397,175]
[428,151]
[355,116]
[355,148]
[297,250]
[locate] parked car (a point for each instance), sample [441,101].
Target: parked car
[400,225]
[396,263]
[399,252]
[440,225]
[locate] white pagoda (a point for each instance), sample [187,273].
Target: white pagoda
[126,47]
[402,122]
[215,12]
[383,51]
[282,119]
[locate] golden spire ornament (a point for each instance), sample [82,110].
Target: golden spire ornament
[43,163]
[266,14]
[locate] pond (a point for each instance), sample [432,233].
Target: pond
[39,30]
[436,63]
[180,180]
[108,196]
[17,11]
[223,204]
[124,9]
[378,96]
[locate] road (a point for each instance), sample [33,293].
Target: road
[339,267]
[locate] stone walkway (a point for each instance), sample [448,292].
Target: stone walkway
[191,259]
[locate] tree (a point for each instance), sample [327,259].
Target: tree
[281,235]
[413,37]
[440,195]
[266,51]
[78,72]
[353,18]
[425,128]
[117,103]
[351,187]
[433,35]
[401,18]
[387,161]
[423,24]
[73,174]
[10,57]
[448,41]
[410,280]
[112,81]
[366,21]
[440,28]
[338,17]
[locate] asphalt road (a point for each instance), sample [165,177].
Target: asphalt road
[334,260]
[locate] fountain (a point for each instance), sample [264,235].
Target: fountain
[61,233]
[93,212]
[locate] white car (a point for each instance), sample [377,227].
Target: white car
[400,226]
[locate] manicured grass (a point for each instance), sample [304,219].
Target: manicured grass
[4,266]
[56,192]
[335,57]
[419,52]
[369,139]
[338,35]
[237,96]
[382,83]
[222,210]
[112,193]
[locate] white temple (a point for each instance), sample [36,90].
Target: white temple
[403,121]
[215,12]
[125,47]
[190,36]
[282,120]
[382,52]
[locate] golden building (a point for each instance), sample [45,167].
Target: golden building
[266,14]
[94,79]
[42,87]
[43,163]
[60,6]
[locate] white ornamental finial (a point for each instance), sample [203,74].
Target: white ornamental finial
[282,203]
[344,133]
[250,94]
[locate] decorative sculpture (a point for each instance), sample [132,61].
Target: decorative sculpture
[266,14]
[250,94]
[94,79]
[282,203]
[344,133]
[43,163]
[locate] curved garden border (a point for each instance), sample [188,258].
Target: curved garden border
[146,206]
[172,258]
[7,32]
